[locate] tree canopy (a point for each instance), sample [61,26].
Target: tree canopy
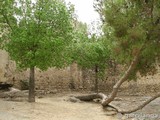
[91,53]
[40,32]
[133,26]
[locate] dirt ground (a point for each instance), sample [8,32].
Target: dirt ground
[55,107]
[51,108]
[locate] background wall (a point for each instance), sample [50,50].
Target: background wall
[73,78]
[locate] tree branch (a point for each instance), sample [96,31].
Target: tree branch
[7,20]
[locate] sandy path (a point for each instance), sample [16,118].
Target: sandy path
[51,108]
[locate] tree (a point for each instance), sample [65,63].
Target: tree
[90,53]
[132,29]
[39,35]
[134,36]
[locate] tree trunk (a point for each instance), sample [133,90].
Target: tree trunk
[122,79]
[72,76]
[32,85]
[110,98]
[96,79]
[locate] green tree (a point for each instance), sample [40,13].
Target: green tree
[93,55]
[90,52]
[132,29]
[39,35]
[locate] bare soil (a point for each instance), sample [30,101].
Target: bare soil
[56,107]
[51,108]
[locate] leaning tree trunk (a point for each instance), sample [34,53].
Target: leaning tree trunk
[110,98]
[122,79]
[31,97]
[107,99]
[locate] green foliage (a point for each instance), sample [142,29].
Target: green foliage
[130,25]
[89,52]
[4,30]
[40,34]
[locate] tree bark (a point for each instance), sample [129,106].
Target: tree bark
[72,76]
[31,97]
[96,79]
[122,79]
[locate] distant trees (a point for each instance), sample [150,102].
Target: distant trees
[39,33]
[90,52]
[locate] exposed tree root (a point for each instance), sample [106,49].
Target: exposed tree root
[140,106]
